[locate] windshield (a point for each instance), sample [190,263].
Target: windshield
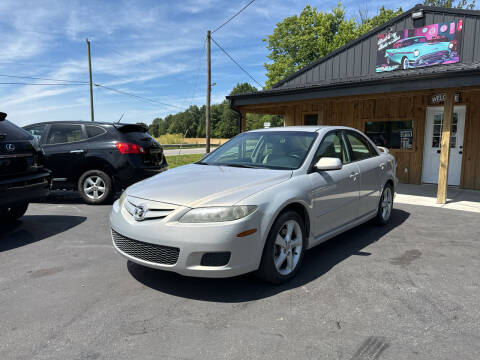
[265,149]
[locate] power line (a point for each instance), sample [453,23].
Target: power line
[226,22]
[41,84]
[137,96]
[236,63]
[39,78]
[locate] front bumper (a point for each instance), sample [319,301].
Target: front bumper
[192,240]
[26,188]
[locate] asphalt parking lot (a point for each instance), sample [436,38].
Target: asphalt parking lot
[409,290]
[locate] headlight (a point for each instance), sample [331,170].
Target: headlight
[450,46]
[416,53]
[217,214]
[122,199]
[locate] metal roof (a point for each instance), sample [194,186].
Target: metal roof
[340,74]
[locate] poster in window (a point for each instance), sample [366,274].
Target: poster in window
[419,47]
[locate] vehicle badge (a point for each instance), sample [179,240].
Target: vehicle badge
[140,212]
[10,147]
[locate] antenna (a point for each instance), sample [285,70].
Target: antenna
[121,117]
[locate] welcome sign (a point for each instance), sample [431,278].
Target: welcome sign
[419,47]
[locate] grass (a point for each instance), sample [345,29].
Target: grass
[178,139]
[179,160]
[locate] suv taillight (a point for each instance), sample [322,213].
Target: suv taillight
[129,148]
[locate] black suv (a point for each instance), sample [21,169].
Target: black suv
[98,159]
[22,176]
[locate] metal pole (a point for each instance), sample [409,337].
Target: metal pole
[90,74]
[209,88]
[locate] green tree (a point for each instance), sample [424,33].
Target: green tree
[300,40]
[382,17]
[242,88]
[459,4]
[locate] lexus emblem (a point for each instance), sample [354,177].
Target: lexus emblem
[140,212]
[10,147]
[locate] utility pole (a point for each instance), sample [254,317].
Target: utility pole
[209,89]
[90,73]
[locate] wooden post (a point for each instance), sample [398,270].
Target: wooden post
[244,121]
[445,149]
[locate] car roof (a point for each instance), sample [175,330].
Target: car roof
[72,122]
[304,128]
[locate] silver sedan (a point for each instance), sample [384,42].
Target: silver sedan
[256,203]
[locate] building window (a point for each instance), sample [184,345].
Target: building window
[391,134]
[310,119]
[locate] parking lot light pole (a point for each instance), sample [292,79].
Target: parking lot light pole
[90,74]
[209,89]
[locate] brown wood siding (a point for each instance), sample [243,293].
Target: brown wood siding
[470,178]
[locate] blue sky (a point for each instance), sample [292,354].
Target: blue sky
[151,48]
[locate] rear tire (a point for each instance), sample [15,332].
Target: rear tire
[95,187]
[284,249]
[385,206]
[11,214]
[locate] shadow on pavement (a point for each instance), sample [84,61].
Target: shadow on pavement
[317,262]
[68,197]
[31,228]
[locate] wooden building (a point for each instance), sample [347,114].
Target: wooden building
[412,85]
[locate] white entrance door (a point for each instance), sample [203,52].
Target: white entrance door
[432,146]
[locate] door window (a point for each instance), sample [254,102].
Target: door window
[359,146]
[64,133]
[332,146]
[37,131]
[438,128]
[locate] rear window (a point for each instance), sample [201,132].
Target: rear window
[127,128]
[10,132]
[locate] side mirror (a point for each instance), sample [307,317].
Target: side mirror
[328,163]
[3,116]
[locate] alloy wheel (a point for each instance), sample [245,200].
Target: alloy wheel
[387,203]
[288,247]
[94,187]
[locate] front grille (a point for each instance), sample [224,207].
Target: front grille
[436,57]
[158,254]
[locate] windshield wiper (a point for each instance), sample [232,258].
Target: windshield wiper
[240,166]
[202,163]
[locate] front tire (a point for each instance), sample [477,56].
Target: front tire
[11,214]
[284,249]
[95,187]
[385,206]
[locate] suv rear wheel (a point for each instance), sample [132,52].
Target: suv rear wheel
[95,187]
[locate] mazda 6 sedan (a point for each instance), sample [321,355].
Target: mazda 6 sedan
[256,203]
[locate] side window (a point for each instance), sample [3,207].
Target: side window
[332,145]
[93,131]
[359,146]
[64,133]
[37,131]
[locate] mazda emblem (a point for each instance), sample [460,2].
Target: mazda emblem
[140,212]
[10,147]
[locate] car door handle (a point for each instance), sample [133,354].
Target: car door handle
[76,151]
[382,166]
[354,175]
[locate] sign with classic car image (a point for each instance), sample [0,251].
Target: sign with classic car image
[419,47]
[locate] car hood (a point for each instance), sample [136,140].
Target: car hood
[206,185]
